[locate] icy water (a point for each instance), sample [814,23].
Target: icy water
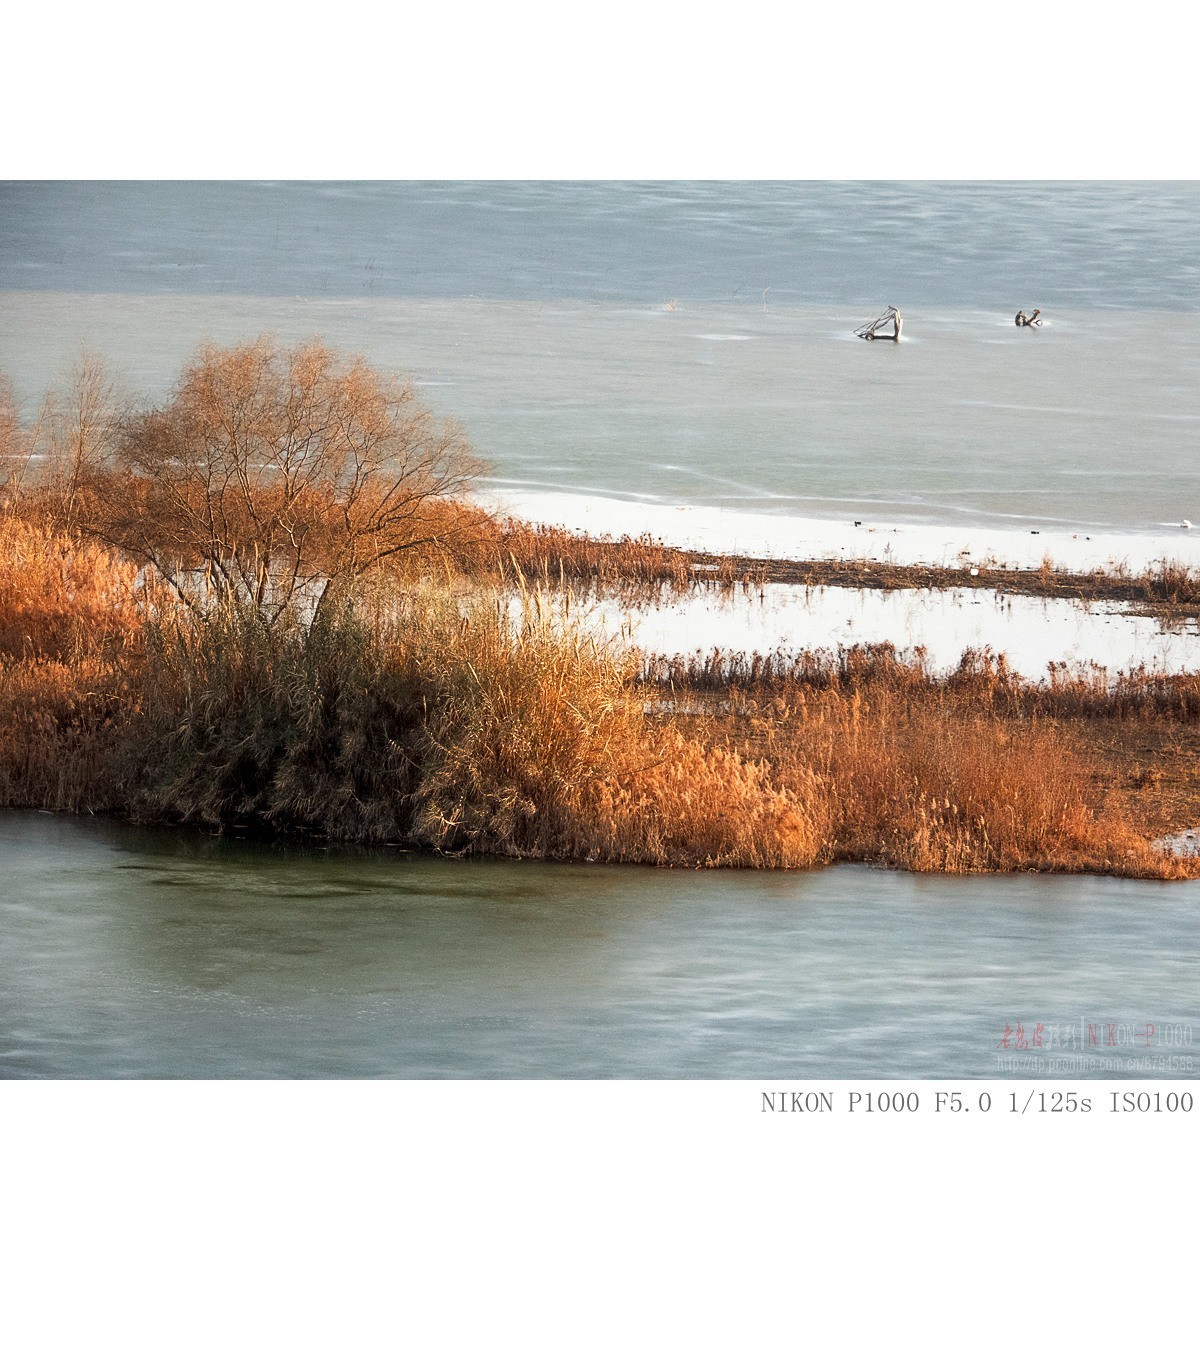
[1092,422]
[1035,635]
[135,954]
[1081,245]
[681,343]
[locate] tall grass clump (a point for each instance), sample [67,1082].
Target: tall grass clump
[929,789]
[921,773]
[62,596]
[538,746]
[273,726]
[477,726]
[70,617]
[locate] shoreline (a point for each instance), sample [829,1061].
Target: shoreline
[1042,582]
[637,570]
[944,552]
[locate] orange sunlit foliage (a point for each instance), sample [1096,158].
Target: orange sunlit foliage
[275,475]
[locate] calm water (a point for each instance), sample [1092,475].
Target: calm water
[538,315]
[133,954]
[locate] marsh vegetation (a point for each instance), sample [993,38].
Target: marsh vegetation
[266,604]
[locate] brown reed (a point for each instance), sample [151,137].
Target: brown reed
[631,564]
[539,746]
[71,615]
[482,724]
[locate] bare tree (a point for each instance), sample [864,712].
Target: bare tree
[53,464]
[14,443]
[274,473]
[75,438]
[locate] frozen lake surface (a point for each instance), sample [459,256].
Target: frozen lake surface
[682,344]
[1089,426]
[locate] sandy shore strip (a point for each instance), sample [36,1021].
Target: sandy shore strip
[712,529]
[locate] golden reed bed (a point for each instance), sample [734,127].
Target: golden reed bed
[407,716]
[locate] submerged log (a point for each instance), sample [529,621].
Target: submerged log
[876,330]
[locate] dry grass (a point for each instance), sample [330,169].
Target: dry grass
[63,597]
[920,785]
[471,726]
[631,565]
[974,772]
[1168,589]
[539,746]
[482,547]
[280,728]
[982,682]
[71,617]
[60,728]
[454,727]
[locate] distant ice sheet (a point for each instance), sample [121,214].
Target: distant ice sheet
[1087,426]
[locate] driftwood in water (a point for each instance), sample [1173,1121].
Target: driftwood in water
[877,329]
[1030,320]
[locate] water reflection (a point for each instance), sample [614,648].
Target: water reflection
[149,954]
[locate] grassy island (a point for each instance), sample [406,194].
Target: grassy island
[267,604]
